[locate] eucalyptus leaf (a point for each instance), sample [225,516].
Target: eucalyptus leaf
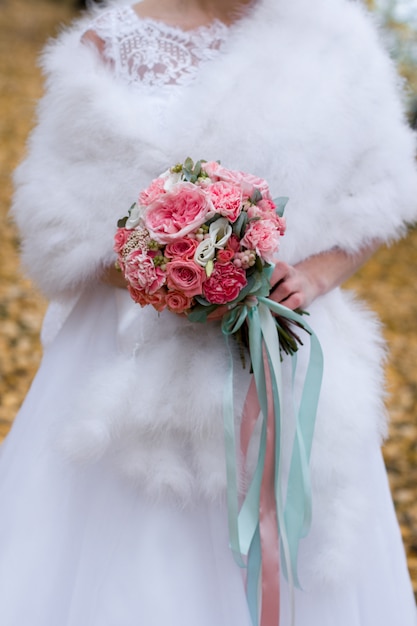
[258,264]
[240,225]
[197,169]
[201,300]
[215,217]
[199,313]
[256,196]
[280,203]
[188,164]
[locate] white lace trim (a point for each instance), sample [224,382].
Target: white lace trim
[149,53]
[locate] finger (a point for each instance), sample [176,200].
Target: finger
[294,301]
[283,290]
[280,273]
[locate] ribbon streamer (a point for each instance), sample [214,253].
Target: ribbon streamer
[263,524]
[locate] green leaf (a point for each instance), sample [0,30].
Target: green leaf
[240,225]
[199,312]
[201,300]
[215,217]
[280,203]
[258,264]
[188,164]
[187,175]
[122,222]
[197,169]
[256,196]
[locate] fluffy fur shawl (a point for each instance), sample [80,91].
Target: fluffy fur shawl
[300,94]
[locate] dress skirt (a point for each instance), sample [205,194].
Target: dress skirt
[81,546]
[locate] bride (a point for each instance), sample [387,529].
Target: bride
[112,480]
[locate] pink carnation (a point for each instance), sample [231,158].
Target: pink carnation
[178,302]
[227,199]
[185,276]
[263,236]
[120,238]
[246,181]
[178,213]
[224,284]
[181,249]
[153,192]
[141,273]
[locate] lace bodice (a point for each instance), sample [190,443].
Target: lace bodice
[148,53]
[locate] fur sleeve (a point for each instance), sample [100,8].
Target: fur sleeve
[88,156]
[56,186]
[322,120]
[380,186]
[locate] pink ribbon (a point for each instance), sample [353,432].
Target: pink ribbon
[268,522]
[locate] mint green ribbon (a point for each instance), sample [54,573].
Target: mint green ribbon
[294,518]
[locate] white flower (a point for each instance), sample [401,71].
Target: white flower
[205,252]
[171,179]
[220,232]
[135,216]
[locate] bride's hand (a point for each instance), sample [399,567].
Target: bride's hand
[293,287]
[297,286]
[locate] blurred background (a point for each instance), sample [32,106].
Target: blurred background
[388,282]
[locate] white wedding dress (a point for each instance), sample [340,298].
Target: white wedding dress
[82,546]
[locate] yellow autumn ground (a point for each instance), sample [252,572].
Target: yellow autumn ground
[388,282]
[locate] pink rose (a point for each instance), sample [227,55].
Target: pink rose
[224,256]
[185,276]
[120,238]
[178,302]
[224,284]
[263,236]
[178,213]
[141,273]
[227,199]
[157,299]
[153,192]
[181,249]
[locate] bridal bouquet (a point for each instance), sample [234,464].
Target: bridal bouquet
[199,237]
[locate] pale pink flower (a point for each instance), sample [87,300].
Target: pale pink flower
[246,181]
[178,213]
[227,199]
[263,236]
[153,192]
[141,273]
[185,276]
